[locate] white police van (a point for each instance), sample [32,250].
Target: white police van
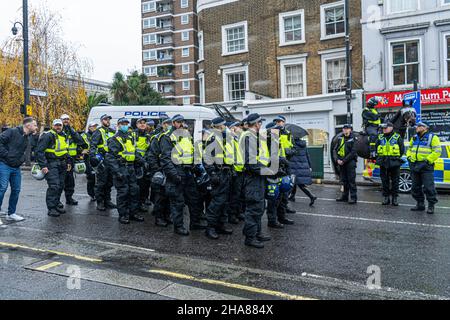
[197,118]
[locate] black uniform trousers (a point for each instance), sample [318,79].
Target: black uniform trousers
[235,207]
[104,183]
[161,207]
[216,212]
[144,188]
[348,179]
[90,177]
[277,208]
[55,177]
[422,175]
[127,191]
[390,178]
[69,182]
[183,193]
[372,132]
[254,189]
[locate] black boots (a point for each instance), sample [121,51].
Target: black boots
[395,201]
[286,221]
[53,213]
[181,231]
[420,206]
[71,202]
[160,222]
[101,206]
[211,233]
[137,218]
[254,243]
[275,225]
[386,201]
[110,205]
[124,219]
[342,199]
[430,209]
[313,200]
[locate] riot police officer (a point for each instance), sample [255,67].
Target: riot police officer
[98,151]
[424,150]
[235,213]
[254,154]
[390,149]
[177,161]
[371,122]
[122,158]
[142,139]
[90,173]
[345,152]
[73,139]
[219,161]
[52,153]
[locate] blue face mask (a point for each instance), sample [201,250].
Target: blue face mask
[124,129]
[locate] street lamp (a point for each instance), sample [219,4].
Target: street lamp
[26,71]
[348,90]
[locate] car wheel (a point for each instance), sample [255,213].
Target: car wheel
[405,184]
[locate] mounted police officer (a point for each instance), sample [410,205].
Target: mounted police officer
[122,158]
[52,152]
[219,161]
[390,149]
[424,150]
[142,140]
[254,154]
[73,139]
[371,122]
[345,152]
[177,161]
[90,173]
[98,151]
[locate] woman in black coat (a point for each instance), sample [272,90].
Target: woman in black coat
[300,167]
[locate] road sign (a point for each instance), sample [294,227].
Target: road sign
[29,111]
[415,98]
[38,93]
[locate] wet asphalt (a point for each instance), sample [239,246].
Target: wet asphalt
[325,255]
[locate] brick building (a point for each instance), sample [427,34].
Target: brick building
[169,48]
[275,48]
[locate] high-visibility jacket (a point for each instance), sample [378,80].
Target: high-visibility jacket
[375,112]
[184,148]
[285,143]
[238,159]
[129,149]
[341,150]
[425,148]
[86,140]
[106,135]
[61,146]
[142,143]
[263,154]
[227,154]
[388,148]
[72,148]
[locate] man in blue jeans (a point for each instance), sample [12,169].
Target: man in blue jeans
[13,143]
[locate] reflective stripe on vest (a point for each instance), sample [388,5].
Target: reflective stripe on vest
[239,160]
[422,148]
[372,122]
[61,147]
[227,154]
[105,137]
[341,150]
[129,150]
[142,143]
[389,148]
[263,156]
[184,150]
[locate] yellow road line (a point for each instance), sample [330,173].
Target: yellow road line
[231,285]
[64,254]
[49,266]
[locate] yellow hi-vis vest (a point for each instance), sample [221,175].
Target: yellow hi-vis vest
[105,137]
[72,146]
[86,139]
[183,151]
[285,143]
[142,143]
[341,150]
[239,161]
[227,154]
[389,148]
[61,147]
[372,122]
[128,149]
[428,148]
[263,156]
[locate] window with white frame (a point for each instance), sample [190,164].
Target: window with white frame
[146,71]
[234,38]
[405,62]
[148,6]
[185,52]
[185,36]
[186,85]
[153,71]
[292,27]
[335,75]
[201,84]
[399,6]
[332,18]
[186,101]
[201,54]
[235,83]
[154,86]
[185,19]
[149,23]
[184,3]
[447,57]
[445,2]
[185,69]
[149,39]
[293,78]
[149,55]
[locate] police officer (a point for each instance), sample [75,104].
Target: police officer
[235,213]
[142,139]
[98,151]
[390,149]
[371,122]
[73,139]
[161,208]
[255,157]
[177,161]
[90,173]
[122,158]
[52,153]
[219,161]
[424,150]
[345,152]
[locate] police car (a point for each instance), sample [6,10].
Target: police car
[441,171]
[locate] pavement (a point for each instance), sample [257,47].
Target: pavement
[334,251]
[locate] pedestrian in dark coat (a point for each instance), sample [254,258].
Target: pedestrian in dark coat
[300,165]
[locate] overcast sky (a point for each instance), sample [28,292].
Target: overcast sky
[107,31]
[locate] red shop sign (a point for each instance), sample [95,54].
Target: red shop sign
[429,97]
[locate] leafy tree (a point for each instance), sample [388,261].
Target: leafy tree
[134,90]
[94,100]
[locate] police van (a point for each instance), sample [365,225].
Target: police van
[197,118]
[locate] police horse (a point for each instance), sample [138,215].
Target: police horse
[405,118]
